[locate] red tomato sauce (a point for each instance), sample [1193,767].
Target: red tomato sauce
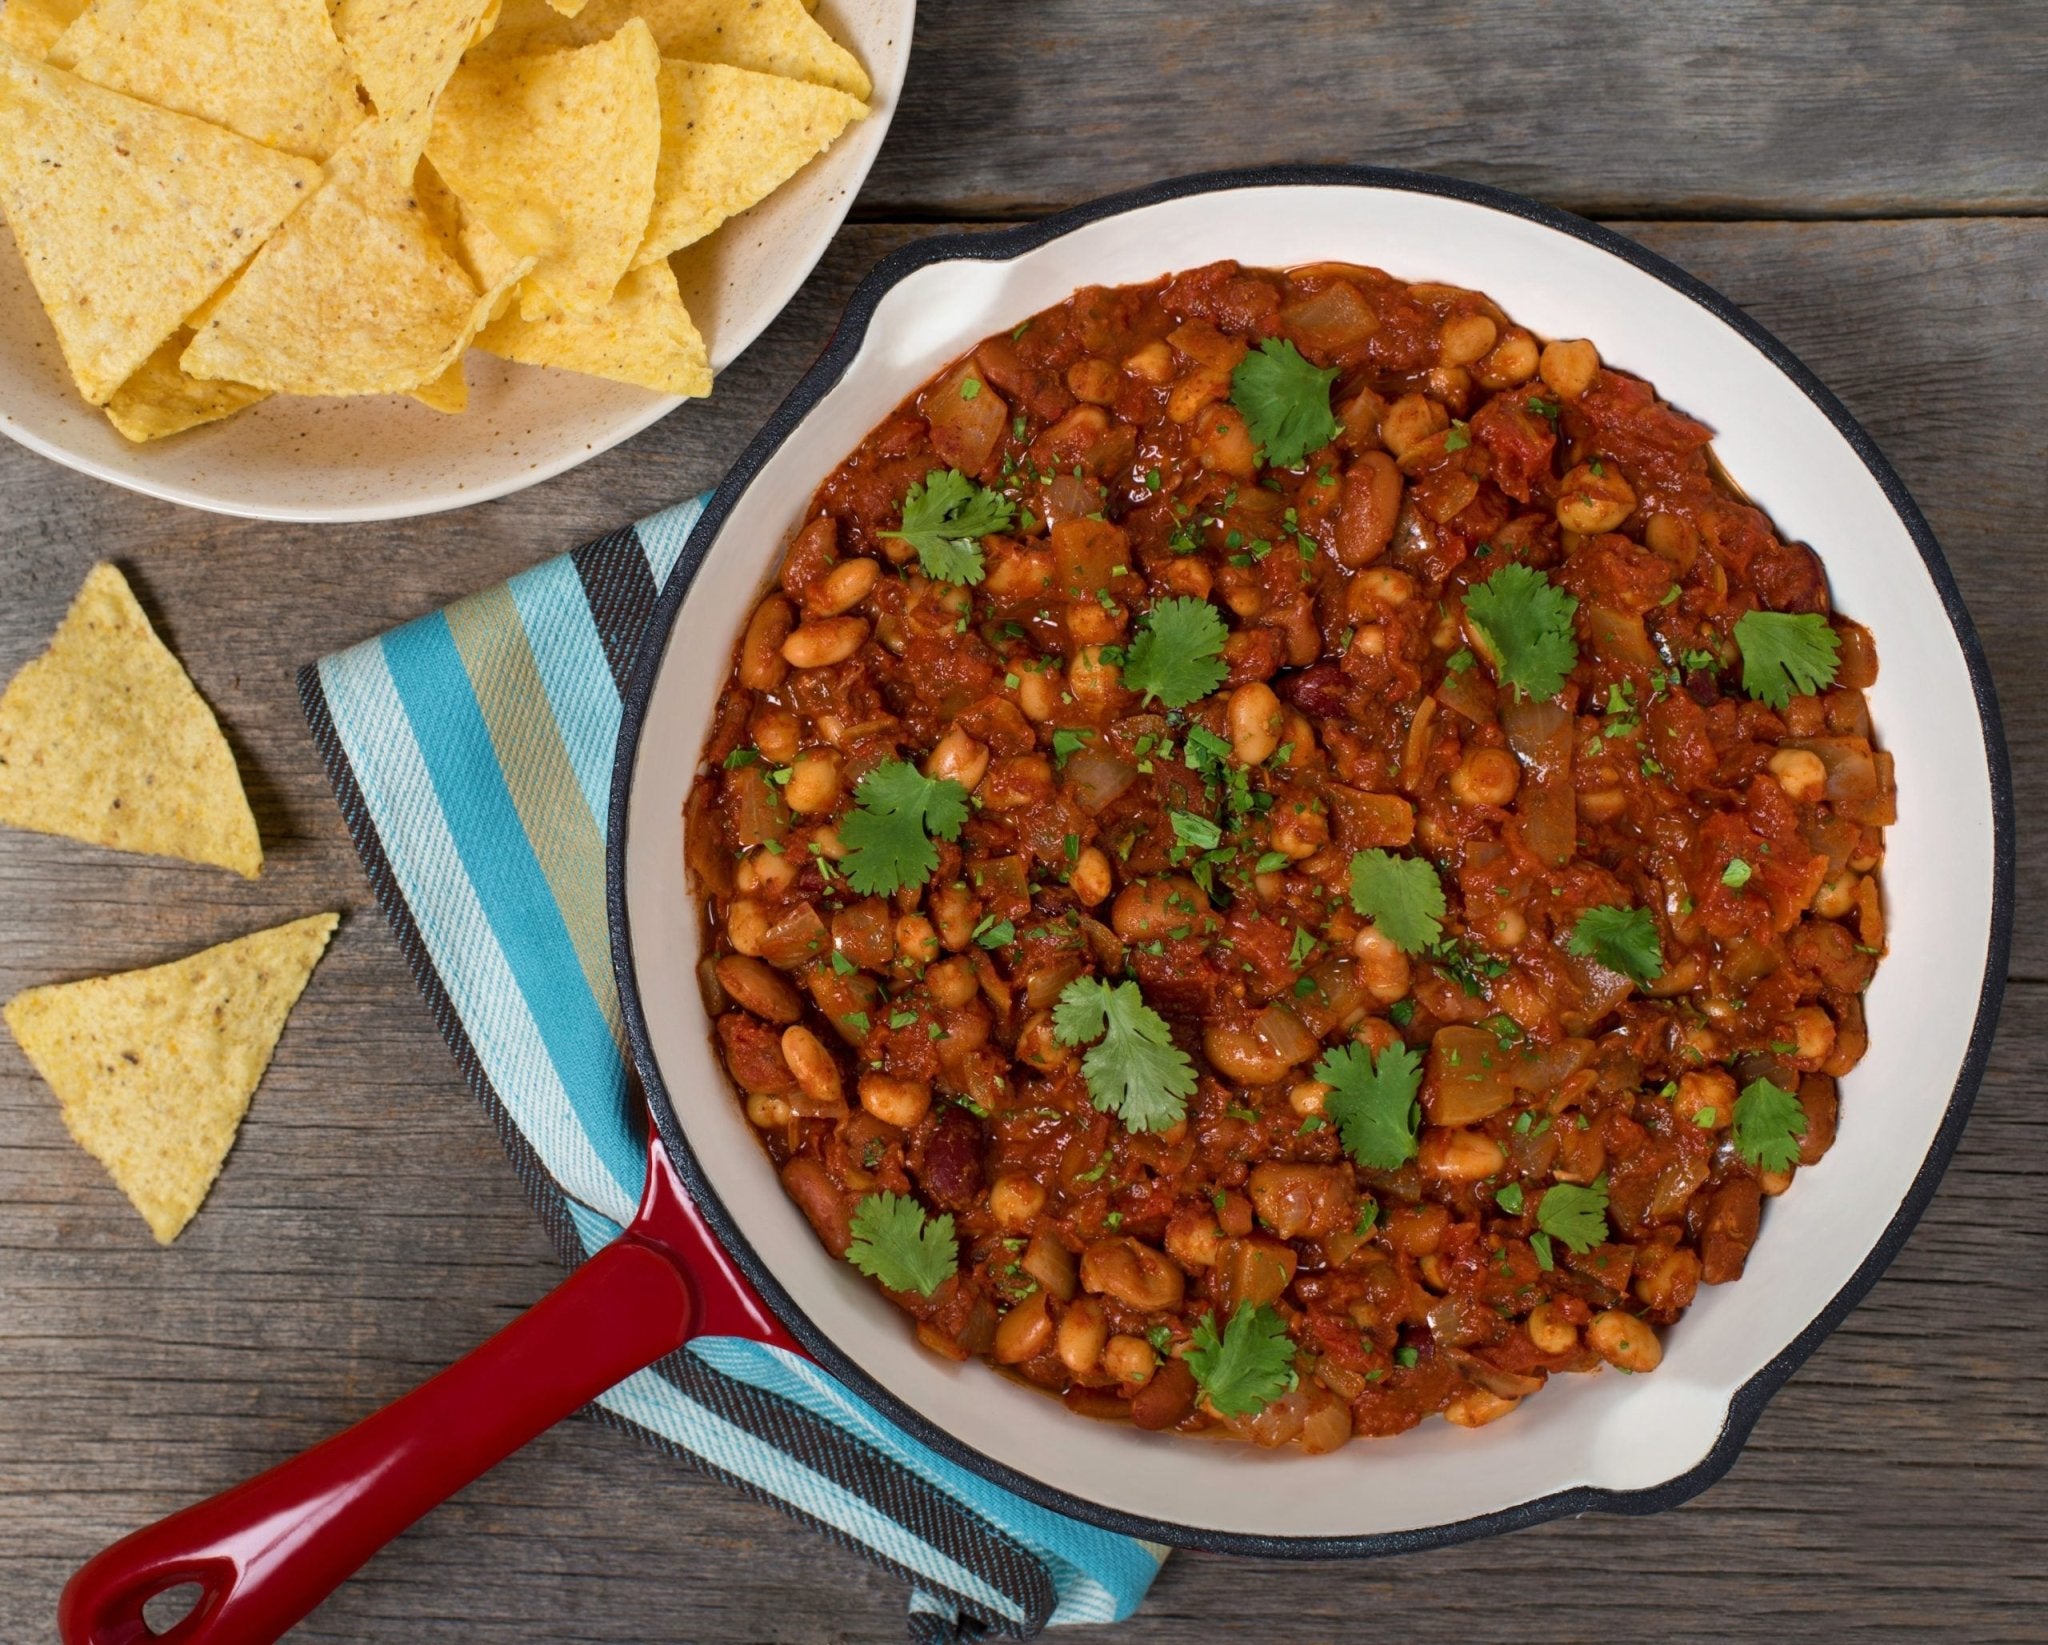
[907,1040]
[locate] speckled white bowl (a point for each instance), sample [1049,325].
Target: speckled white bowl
[1627,1443]
[386,457]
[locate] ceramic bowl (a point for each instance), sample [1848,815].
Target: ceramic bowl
[386,456]
[1604,1441]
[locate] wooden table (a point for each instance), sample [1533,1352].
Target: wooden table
[1869,179]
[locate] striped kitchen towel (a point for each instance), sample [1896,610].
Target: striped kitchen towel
[471,753]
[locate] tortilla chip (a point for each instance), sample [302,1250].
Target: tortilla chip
[767,36]
[104,738]
[568,8]
[405,50]
[485,258]
[355,296]
[643,336]
[127,215]
[153,1070]
[31,27]
[269,69]
[99,22]
[730,138]
[447,393]
[556,155]
[160,399]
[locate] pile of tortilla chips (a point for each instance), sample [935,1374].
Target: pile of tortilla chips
[219,200]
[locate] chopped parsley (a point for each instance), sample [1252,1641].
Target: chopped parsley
[1736,875]
[1623,940]
[1784,653]
[1373,1101]
[995,933]
[1303,946]
[1509,1198]
[739,757]
[888,834]
[896,1243]
[1248,1366]
[1285,401]
[1768,1124]
[1527,623]
[1401,895]
[1066,744]
[1136,1073]
[1177,655]
[1200,833]
[945,516]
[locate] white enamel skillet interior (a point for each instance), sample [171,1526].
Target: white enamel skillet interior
[1629,1443]
[386,457]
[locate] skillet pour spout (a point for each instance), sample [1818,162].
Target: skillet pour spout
[266,1552]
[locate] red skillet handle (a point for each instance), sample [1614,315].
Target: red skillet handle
[268,1551]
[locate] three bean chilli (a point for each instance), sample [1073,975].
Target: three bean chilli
[1285,856]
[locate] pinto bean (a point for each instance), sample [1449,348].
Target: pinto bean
[807,1182]
[1133,1273]
[843,587]
[755,986]
[1083,1333]
[1167,1400]
[1371,502]
[1730,1229]
[1025,1332]
[1625,1341]
[825,641]
[762,666]
[898,1102]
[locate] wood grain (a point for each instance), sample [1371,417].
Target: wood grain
[366,1229]
[1728,108]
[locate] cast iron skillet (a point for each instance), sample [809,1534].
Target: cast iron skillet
[265,1553]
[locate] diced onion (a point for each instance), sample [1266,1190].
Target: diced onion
[1099,779]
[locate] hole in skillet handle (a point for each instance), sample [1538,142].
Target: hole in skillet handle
[167,1607]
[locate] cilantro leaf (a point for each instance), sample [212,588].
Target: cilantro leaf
[888,833]
[1577,1216]
[1401,895]
[1622,939]
[1192,829]
[1768,1120]
[1526,622]
[894,1242]
[1372,1099]
[1784,653]
[1285,401]
[945,516]
[1246,1368]
[1737,874]
[1137,1073]
[1178,653]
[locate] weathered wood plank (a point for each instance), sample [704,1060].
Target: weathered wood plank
[1726,108]
[366,1229]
